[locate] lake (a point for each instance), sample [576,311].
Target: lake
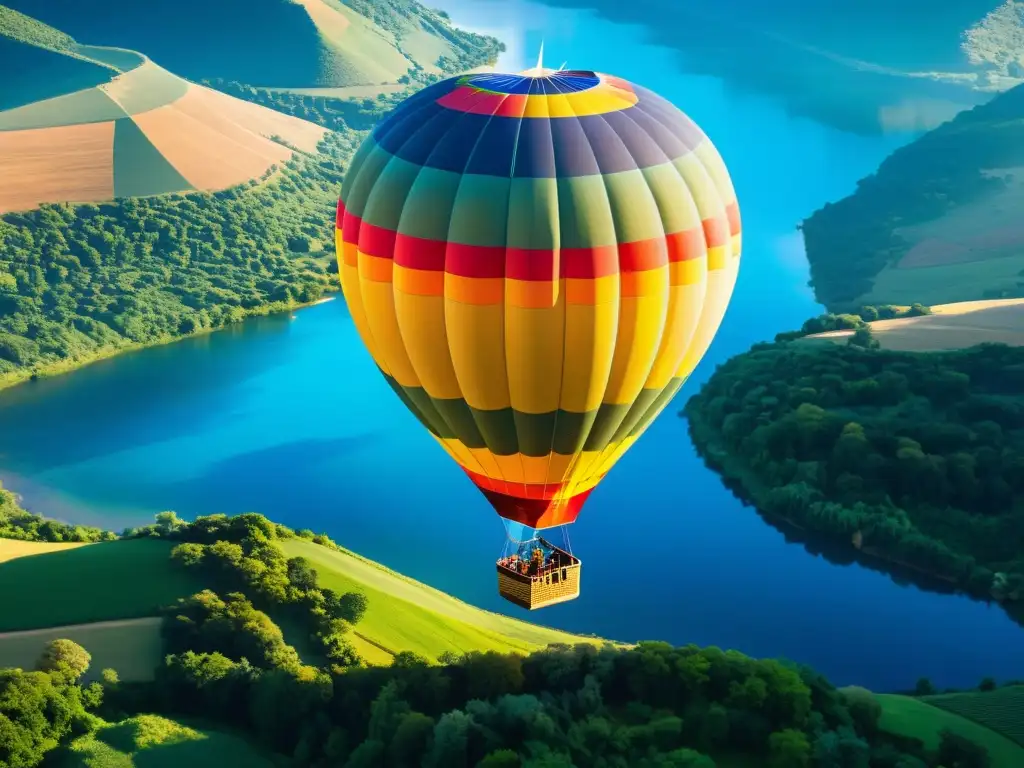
[290,418]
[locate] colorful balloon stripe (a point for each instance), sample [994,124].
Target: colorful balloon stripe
[536,263]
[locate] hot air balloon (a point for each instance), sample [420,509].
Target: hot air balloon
[536,262]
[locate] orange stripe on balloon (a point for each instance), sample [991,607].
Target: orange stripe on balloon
[375,268]
[645,283]
[474,290]
[418,281]
[596,291]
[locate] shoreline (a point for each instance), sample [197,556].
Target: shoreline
[62,367]
[747,488]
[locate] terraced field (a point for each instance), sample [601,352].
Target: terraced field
[1001,710]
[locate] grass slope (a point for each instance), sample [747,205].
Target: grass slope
[406,615]
[1002,710]
[907,716]
[149,741]
[133,647]
[96,582]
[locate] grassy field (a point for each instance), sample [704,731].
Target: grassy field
[98,582]
[1001,710]
[406,615]
[11,549]
[133,646]
[907,716]
[149,741]
[950,326]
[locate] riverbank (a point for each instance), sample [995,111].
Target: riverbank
[813,436]
[61,367]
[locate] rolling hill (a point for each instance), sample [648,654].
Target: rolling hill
[115,124]
[265,43]
[939,222]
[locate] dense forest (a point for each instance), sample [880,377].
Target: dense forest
[79,281]
[917,458]
[849,242]
[227,666]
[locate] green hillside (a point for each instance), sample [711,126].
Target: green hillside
[267,42]
[458,687]
[937,223]
[405,615]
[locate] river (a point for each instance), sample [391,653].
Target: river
[289,417]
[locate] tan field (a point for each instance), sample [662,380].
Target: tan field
[73,163]
[212,139]
[216,141]
[330,23]
[950,326]
[12,549]
[132,646]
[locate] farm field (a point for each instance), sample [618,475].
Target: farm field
[950,326]
[1002,710]
[908,716]
[968,252]
[97,582]
[131,646]
[150,741]
[406,615]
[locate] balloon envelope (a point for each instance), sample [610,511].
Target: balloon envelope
[536,262]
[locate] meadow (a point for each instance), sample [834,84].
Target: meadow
[916,718]
[97,582]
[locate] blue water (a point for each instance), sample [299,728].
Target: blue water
[290,418]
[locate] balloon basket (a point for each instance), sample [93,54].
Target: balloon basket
[552,579]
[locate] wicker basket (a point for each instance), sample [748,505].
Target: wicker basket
[557,583]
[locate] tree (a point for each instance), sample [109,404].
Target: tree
[352,607]
[65,658]
[924,687]
[788,749]
[411,740]
[862,337]
[987,684]
[301,574]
